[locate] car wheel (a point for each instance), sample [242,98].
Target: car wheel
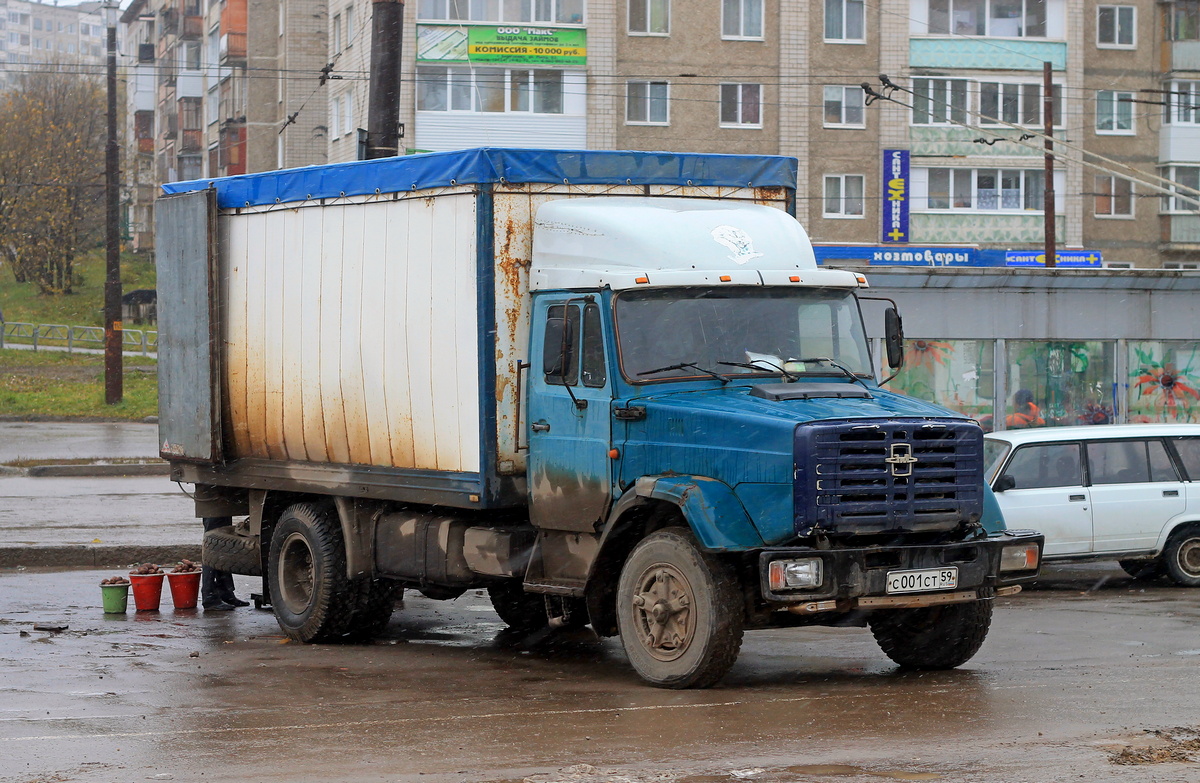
[1182,557]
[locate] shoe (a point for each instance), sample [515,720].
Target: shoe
[219,606]
[233,600]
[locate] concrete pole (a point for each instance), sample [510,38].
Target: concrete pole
[113,380]
[1048,121]
[383,108]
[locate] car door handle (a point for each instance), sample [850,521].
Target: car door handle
[1170,493]
[540,426]
[1077,498]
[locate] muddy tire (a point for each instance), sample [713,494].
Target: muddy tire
[1143,569]
[935,637]
[225,550]
[524,611]
[313,599]
[377,599]
[679,612]
[1181,557]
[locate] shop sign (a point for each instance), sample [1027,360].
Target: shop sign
[1065,258]
[502,45]
[895,196]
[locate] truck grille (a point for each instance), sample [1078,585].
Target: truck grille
[866,477]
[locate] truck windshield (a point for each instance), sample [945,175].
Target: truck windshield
[767,327]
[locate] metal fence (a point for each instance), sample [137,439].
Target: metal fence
[75,337]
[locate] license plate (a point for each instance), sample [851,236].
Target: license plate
[923,580]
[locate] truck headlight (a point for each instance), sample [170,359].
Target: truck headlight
[794,574]
[1019,557]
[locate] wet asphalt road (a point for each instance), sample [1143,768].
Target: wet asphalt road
[1084,665]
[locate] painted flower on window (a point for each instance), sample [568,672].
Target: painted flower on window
[927,354]
[1173,393]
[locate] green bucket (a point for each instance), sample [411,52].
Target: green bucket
[115,598]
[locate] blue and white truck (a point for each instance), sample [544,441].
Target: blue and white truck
[608,387]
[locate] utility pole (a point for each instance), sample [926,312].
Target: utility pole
[383,108]
[113,381]
[1048,197]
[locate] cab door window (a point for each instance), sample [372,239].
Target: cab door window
[573,353]
[593,348]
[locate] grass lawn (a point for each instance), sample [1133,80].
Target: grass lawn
[22,301]
[59,385]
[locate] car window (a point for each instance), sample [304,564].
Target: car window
[1046,465]
[994,452]
[1189,454]
[1128,462]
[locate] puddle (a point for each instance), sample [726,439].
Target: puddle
[846,770]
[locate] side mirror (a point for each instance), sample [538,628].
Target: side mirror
[1004,482]
[557,348]
[893,338]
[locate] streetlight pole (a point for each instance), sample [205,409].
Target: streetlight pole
[113,336]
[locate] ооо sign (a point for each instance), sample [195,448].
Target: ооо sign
[895,196]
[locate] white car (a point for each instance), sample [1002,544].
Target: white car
[1129,493]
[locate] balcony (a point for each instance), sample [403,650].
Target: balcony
[233,48]
[193,27]
[1181,56]
[1180,232]
[191,141]
[984,53]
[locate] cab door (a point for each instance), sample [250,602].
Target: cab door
[1041,488]
[570,425]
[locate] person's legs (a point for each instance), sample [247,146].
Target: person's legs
[216,586]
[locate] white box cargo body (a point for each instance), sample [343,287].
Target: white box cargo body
[357,329]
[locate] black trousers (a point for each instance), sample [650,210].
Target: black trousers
[215,585]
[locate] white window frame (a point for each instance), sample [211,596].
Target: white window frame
[1181,265]
[921,177]
[1169,205]
[742,89]
[649,99]
[1116,10]
[348,124]
[739,8]
[1117,102]
[845,90]
[989,32]
[946,89]
[1181,96]
[349,21]
[336,33]
[335,118]
[470,73]
[647,5]
[843,5]
[1112,198]
[841,213]
[442,12]
[1020,86]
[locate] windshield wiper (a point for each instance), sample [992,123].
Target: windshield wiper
[757,365]
[682,365]
[845,370]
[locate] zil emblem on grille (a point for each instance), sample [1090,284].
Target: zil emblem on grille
[901,460]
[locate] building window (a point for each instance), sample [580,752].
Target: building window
[939,101]
[1181,265]
[647,103]
[347,114]
[1000,18]
[335,118]
[489,90]
[540,11]
[741,105]
[349,16]
[1114,112]
[981,190]
[1182,101]
[336,35]
[1018,104]
[843,195]
[1183,20]
[844,21]
[742,18]
[1114,196]
[649,17]
[844,107]
[1116,26]
[1188,177]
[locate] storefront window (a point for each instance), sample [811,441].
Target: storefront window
[1055,384]
[956,374]
[1164,381]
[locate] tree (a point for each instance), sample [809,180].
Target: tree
[52,137]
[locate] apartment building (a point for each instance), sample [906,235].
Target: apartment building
[32,33]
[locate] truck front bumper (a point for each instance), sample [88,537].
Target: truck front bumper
[858,578]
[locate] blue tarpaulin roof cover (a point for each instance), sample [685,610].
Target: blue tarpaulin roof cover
[488,165]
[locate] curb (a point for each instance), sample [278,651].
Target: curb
[95,556]
[75,471]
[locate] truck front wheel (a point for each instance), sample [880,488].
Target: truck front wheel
[310,592]
[935,637]
[679,611]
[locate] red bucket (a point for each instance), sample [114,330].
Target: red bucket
[185,589]
[147,591]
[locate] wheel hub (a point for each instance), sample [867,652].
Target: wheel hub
[662,611]
[1189,557]
[297,579]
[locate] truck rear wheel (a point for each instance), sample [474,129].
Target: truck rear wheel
[527,611]
[935,637]
[679,612]
[377,600]
[312,597]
